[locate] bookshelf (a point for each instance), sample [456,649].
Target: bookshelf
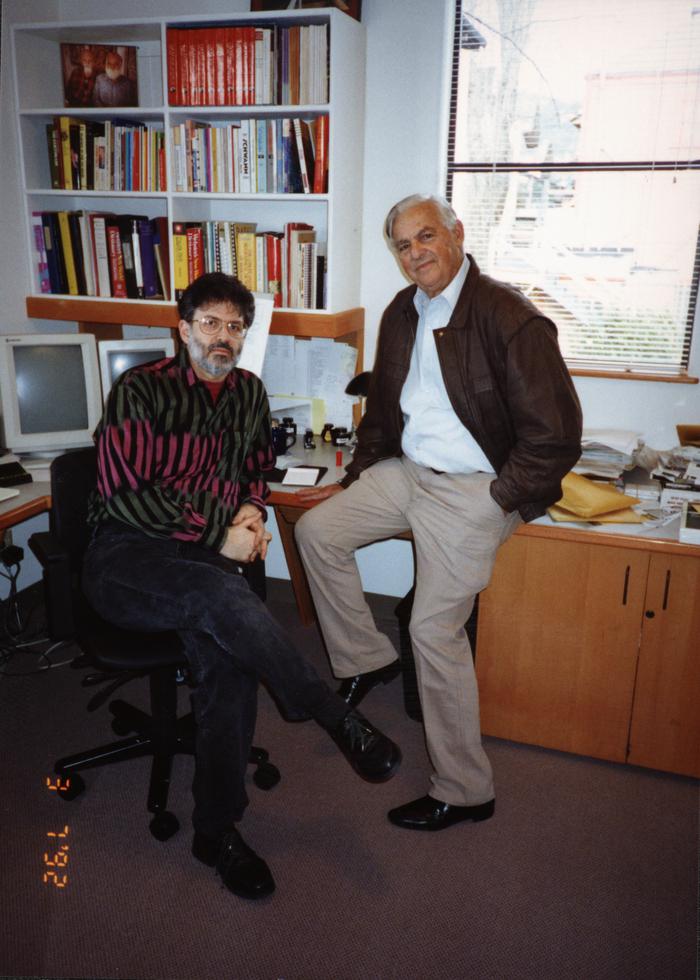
[334,214]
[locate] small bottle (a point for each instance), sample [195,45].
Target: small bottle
[326,432]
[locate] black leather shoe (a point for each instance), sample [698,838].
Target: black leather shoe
[353,689]
[371,754]
[239,867]
[428,813]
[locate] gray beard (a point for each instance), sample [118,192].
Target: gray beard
[213,365]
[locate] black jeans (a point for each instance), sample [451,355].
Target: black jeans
[231,643]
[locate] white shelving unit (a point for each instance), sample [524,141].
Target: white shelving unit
[335,215]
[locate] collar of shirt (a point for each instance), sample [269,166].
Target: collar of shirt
[450,293]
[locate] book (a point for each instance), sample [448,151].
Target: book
[689,530]
[53,143]
[86,249]
[148,258]
[65,153]
[116,259]
[40,257]
[305,153]
[100,252]
[54,259]
[66,247]
[195,251]
[162,254]
[181,281]
[172,65]
[99,75]
[320,185]
[246,258]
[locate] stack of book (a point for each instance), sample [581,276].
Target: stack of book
[106,155]
[290,264]
[85,253]
[215,66]
[249,156]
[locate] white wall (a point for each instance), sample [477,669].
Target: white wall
[408,49]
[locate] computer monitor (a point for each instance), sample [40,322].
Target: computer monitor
[49,392]
[117,356]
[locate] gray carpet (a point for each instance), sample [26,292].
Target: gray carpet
[588,870]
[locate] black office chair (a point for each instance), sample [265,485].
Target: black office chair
[119,655]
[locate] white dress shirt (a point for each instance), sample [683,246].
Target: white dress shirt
[433,434]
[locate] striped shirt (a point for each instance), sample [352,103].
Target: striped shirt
[172,463]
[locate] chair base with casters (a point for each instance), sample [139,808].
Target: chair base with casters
[119,655]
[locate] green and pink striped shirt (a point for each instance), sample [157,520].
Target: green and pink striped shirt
[173,463]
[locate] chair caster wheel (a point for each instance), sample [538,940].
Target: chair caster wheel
[266,776]
[164,825]
[71,786]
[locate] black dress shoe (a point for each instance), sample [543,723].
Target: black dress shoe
[239,867]
[353,689]
[428,813]
[370,753]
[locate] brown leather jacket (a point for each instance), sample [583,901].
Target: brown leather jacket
[507,382]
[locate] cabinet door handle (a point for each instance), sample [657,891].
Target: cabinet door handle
[626,586]
[667,586]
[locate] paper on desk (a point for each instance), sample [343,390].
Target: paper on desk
[299,477]
[6,493]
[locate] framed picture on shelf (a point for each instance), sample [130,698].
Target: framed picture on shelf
[99,75]
[352,7]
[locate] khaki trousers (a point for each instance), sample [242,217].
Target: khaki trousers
[457,528]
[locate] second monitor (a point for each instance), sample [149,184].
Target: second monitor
[117,356]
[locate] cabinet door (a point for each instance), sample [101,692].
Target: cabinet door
[665,732]
[559,632]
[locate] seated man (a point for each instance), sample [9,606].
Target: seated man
[183,447]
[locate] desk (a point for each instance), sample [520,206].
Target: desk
[587,640]
[34,498]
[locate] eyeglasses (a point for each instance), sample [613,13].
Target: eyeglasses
[212,325]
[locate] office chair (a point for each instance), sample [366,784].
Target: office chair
[118,654]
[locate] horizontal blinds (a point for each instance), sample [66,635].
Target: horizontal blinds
[573,162]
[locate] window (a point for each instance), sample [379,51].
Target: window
[573,161]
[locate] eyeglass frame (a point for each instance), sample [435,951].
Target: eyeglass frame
[239,330]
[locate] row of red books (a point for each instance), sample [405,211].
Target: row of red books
[289,264]
[87,253]
[221,65]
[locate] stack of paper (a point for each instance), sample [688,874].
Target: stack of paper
[607,453]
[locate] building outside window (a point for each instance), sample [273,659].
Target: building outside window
[573,161]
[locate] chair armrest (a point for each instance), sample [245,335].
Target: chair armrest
[46,548]
[58,584]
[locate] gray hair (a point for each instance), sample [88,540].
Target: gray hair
[445,210]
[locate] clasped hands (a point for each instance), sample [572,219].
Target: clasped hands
[246,538]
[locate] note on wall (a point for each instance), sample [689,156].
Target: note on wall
[318,368]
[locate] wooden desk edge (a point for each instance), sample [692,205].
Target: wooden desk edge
[23,511]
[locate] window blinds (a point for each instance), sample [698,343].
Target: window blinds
[573,161]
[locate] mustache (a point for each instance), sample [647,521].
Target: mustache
[214,348]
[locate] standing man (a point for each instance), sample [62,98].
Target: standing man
[472,421]
[183,448]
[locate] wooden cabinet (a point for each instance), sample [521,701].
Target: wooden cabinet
[591,644]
